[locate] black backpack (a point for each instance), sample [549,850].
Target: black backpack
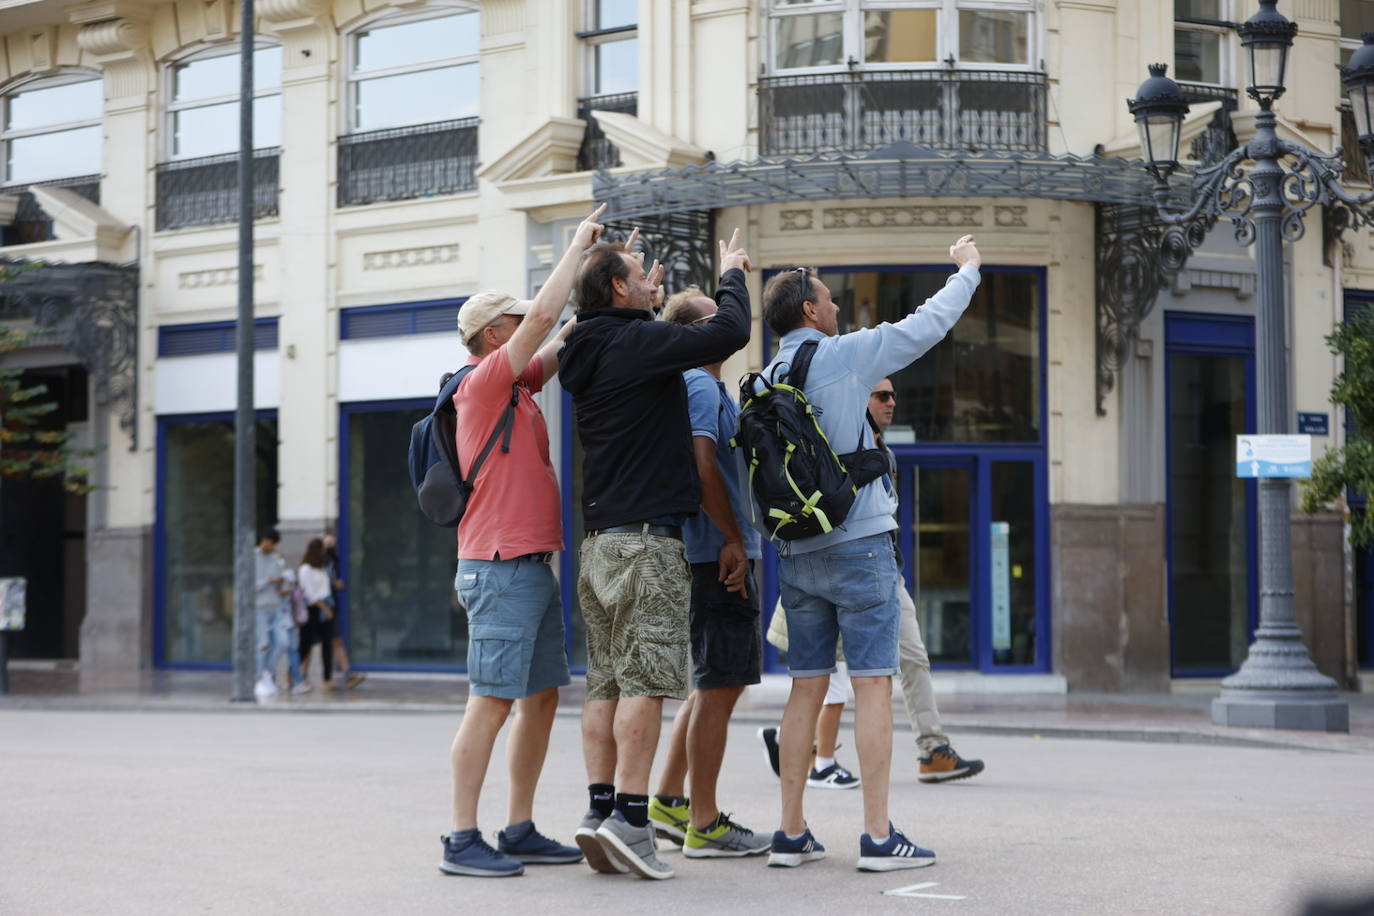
[440,487]
[801,486]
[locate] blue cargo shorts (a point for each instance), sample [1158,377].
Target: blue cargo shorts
[849,590]
[515,627]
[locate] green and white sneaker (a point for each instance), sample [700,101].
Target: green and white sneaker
[723,839]
[670,822]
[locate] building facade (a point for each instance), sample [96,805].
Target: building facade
[1069,505]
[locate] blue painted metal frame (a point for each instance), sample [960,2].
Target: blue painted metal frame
[414,309]
[978,457]
[160,535]
[262,341]
[346,411]
[1208,334]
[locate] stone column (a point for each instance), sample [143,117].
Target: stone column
[117,632]
[307,419]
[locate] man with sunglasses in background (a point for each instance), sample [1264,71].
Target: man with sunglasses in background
[846,583]
[938,762]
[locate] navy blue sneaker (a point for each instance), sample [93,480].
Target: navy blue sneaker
[789,853]
[466,853]
[523,843]
[897,852]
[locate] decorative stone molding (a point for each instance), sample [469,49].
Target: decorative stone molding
[500,17]
[424,256]
[76,218]
[218,276]
[1009,217]
[643,146]
[549,149]
[796,220]
[112,38]
[900,217]
[1239,282]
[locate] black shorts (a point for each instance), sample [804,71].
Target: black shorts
[727,647]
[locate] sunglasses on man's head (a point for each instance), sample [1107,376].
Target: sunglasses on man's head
[885,396]
[804,278]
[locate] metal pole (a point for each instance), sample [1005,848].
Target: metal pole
[245,445]
[1278,686]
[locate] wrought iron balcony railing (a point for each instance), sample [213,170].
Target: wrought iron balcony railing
[404,163]
[858,111]
[31,224]
[598,152]
[205,191]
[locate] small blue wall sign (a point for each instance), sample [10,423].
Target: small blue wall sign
[1314,424]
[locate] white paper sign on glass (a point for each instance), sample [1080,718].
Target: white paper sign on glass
[1273,456]
[12,603]
[1001,586]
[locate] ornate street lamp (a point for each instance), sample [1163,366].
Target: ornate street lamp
[1358,77]
[1278,686]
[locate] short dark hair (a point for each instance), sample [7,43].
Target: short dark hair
[604,263]
[783,297]
[270,534]
[314,554]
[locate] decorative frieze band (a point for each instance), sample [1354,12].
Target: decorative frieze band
[899,217]
[410,257]
[220,276]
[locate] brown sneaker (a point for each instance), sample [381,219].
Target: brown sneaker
[945,764]
[353,680]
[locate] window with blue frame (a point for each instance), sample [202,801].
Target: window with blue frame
[195,533]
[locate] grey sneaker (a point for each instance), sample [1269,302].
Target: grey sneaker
[633,847]
[723,839]
[591,847]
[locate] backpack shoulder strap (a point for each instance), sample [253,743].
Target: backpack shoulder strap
[448,387]
[801,364]
[504,427]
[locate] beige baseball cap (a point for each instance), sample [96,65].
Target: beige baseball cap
[484,308]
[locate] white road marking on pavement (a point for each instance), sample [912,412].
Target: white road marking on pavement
[911,891]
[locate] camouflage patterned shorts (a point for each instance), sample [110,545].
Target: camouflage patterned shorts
[636,592]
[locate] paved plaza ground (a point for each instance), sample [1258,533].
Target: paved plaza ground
[247,811]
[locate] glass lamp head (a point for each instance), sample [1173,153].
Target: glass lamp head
[1159,106]
[1358,78]
[1266,38]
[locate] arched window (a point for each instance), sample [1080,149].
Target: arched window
[50,129]
[414,69]
[203,102]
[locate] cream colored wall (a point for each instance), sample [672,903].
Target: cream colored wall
[699,63]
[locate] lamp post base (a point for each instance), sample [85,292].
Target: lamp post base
[1321,711]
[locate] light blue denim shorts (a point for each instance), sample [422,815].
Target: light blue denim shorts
[849,590]
[515,627]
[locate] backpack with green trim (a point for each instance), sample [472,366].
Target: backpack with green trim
[801,486]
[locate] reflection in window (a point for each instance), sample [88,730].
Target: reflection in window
[612,46]
[1012,564]
[418,72]
[899,36]
[616,65]
[196,509]
[204,109]
[612,14]
[982,382]
[51,129]
[1201,34]
[400,603]
[993,37]
[943,560]
[855,33]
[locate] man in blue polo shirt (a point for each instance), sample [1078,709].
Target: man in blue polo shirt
[844,583]
[726,646]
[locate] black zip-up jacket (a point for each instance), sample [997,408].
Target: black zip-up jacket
[624,371]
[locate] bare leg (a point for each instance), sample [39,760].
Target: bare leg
[795,737]
[638,721]
[526,749]
[598,740]
[873,734]
[471,753]
[674,776]
[706,748]
[828,729]
[341,657]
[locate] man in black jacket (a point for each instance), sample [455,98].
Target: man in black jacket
[639,484]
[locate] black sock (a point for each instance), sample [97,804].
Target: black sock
[603,798]
[634,807]
[672,801]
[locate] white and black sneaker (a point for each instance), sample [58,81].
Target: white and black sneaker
[833,777]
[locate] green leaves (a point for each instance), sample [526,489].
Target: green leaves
[29,447]
[1350,467]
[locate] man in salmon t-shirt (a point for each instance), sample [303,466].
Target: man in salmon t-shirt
[510,529]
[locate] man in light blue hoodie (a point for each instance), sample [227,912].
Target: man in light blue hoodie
[845,583]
